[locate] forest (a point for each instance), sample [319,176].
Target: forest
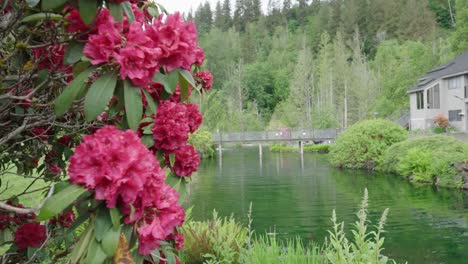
[321,64]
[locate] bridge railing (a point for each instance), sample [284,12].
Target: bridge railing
[276,135]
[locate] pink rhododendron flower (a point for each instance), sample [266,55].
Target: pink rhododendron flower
[194,117]
[138,59]
[101,47]
[205,79]
[54,169]
[113,163]
[170,130]
[51,58]
[176,39]
[76,24]
[65,219]
[199,56]
[186,161]
[30,235]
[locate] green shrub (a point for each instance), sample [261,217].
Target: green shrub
[317,148]
[218,240]
[203,143]
[361,145]
[282,147]
[426,159]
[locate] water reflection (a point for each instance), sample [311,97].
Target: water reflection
[295,195]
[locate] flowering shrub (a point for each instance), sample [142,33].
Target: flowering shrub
[441,123]
[94,101]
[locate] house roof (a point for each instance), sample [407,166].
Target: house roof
[457,66]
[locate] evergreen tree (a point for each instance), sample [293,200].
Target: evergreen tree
[226,15]
[218,16]
[256,9]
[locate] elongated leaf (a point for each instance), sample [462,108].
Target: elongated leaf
[184,88]
[51,4]
[116,11]
[80,247]
[95,253]
[32,3]
[103,223]
[59,201]
[133,105]
[87,10]
[115,217]
[110,241]
[187,76]
[169,81]
[65,100]
[152,107]
[99,95]
[128,11]
[41,16]
[73,53]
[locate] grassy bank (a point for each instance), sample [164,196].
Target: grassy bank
[224,240]
[321,148]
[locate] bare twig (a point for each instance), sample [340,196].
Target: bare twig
[17,210]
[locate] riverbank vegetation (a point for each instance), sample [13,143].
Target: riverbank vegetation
[202,141]
[281,147]
[224,240]
[427,160]
[361,146]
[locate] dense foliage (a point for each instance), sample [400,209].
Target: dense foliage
[362,145]
[427,159]
[322,63]
[95,105]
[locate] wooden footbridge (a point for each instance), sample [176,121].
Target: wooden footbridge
[284,135]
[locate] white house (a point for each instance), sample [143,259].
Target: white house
[442,90]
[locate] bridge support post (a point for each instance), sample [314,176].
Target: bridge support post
[260,150]
[301,147]
[220,150]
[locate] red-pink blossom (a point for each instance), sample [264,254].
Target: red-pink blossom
[138,59]
[65,140]
[115,164]
[170,130]
[186,161]
[199,56]
[194,117]
[76,24]
[54,169]
[102,46]
[176,96]
[51,58]
[65,219]
[205,79]
[176,39]
[30,235]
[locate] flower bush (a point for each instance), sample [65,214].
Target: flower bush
[95,102]
[441,123]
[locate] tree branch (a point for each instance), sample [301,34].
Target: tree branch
[17,210]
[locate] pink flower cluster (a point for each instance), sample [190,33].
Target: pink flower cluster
[10,219]
[65,219]
[140,48]
[205,79]
[172,125]
[125,174]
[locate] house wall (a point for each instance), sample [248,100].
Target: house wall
[455,101]
[418,117]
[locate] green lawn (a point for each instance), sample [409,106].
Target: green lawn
[12,184]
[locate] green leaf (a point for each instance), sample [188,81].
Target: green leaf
[172,159]
[148,140]
[128,11]
[87,10]
[73,53]
[95,253]
[59,201]
[110,241]
[99,95]
[80,247]
[52,4]
[103,223]
[116,11]
[169,81]
[133,105]
[152,106]
[32,3]
[115,217]
[153,10]
[187,76]
[41,16]
[65,100]
[184,89]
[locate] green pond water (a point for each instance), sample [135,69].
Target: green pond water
[295,197]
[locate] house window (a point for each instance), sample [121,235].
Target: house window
[433,97]
[420,99]
[455,115]
[455,82]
